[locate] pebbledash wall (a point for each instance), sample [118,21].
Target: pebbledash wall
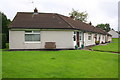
[63,39]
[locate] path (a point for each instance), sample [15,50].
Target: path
[89,49]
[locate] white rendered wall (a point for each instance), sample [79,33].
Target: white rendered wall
[63,39]
[88,42]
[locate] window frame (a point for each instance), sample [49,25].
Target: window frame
[80,36]
[89,35]
[32,33]
[74,36]
[103,37]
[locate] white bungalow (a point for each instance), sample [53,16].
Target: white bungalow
[33,30]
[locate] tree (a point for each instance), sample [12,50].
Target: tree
[3,41]
[82,16]
[105,27]
[4,34]
[5,23]
[118,32]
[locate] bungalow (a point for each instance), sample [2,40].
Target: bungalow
[33,30]
[114,34]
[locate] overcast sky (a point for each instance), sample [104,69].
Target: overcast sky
[99,11]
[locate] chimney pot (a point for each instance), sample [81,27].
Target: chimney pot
[71,16]
[90,23]
[35,10]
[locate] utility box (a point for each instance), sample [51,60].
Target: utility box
[50,45]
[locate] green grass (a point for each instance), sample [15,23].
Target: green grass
[113,46]
[59,64]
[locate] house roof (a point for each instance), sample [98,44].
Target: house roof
[40,20]
[29,20]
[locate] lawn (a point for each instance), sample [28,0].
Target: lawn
[59,64]
[113,46]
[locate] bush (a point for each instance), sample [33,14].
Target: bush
[3,40]
[97,42]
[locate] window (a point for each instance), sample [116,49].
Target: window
[74,36]
[95,36]
[32,36]
[103,37]
[80,35]
[89,36]
[99,37]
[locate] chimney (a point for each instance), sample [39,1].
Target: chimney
[35,10]
[90,23]
[72,16]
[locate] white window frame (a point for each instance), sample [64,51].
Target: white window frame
[80,35]
[99,37]
[103,37]
[89,35]
[32,32]
[74,35]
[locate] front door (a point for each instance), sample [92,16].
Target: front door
[78,43]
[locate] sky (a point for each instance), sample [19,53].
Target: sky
[99,11]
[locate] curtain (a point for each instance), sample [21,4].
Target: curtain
[32,37]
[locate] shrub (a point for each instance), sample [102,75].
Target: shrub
[97,42]
[3,40]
